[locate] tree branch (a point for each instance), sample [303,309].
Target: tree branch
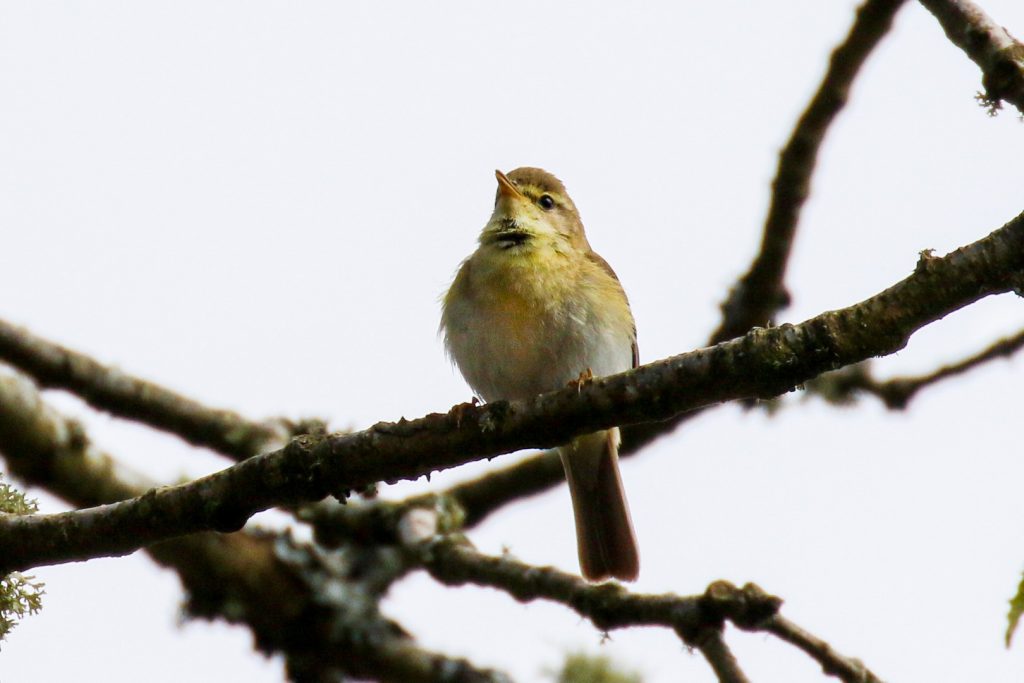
[698,620]
[842,385]
[316,608]
[847,669]
[46,449]
[721,658]
[763,364]
[319,632]
[760,293]
[489,492]
[999,55]
[108,389]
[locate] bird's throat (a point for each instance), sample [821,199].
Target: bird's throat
[511,234]
[508,240]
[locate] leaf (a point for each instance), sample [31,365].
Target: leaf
[1016,610]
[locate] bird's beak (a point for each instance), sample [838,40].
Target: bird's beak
[506,188]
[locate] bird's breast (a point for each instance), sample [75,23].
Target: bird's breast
[531,327]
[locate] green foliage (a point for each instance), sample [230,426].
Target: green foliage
[19,594]
[14,502]
[583,668]
[1016,610]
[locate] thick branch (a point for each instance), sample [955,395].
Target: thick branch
[107,388]
[46,449]
[999,55]
[698,620]
[312,606]
[487,493]
[227,575]
[763,364]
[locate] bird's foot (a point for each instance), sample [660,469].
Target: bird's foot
[459,411]
[586,377]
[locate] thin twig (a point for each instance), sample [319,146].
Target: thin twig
[763,364]
[106,388]
[842,385]
[999,55]
[848,669]
[721,658]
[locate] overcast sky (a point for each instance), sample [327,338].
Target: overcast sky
[258,204]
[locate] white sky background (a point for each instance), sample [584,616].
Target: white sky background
[258,204]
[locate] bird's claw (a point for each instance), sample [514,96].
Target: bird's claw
[586,377]
[459,411]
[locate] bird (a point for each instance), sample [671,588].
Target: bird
[535,308]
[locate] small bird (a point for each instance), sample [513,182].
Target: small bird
[533,309]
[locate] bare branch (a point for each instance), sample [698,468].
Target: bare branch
[107,388]
[841,386]
[760,293]
[720,657]
[608,606]
[762,364]
[276,587]
[316,608]
[489,492]
[697,619]
[44,448]
[999,55]
[847,669]
[227,576]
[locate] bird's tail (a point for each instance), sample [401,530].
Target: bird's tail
[604,531]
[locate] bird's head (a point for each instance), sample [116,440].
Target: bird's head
[533,211]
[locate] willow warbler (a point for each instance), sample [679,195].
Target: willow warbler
[532,309]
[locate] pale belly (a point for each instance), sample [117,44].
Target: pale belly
[519,349]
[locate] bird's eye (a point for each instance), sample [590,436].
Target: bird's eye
[546,202]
